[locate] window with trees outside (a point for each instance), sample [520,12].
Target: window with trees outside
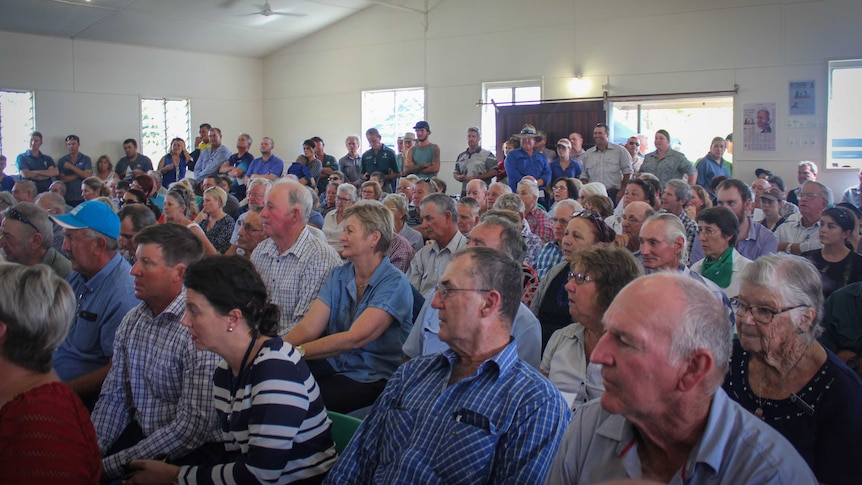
[17,122]
[162,120]
[393,112]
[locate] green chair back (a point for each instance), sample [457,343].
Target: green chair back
[343,428]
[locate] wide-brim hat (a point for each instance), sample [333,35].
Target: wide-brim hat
[409,136]
[94,215]
[529,131]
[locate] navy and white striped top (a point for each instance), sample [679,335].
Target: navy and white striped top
[276,422]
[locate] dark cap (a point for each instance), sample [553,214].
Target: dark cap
[422,125]
[761,172]
[774,193]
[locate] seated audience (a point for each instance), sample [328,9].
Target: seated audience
[699,200]
[370,190]
[315,219]
[468,214]
[754,239]
[842,325]
[217,225]
[267,402]
[853,194]
[46,436]
[838,264]
[551,254]
[93,188]
[722,264]
[180,209]
[439,216]
[28,238]
[133,218]
[515,204]
[596,275]
[801,231]
[534,214]
[564,188]
[781,374]
[633,218]
[333,222]
[250,233]
[398,205]
[771,202]
[353,332]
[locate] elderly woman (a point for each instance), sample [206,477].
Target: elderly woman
[780,372]
[217,225]
[173,165]
[565,188]
[595,277]
[398,205]
[551,302]
[333,222]
[105,169]
[718,229]
[370,191]
[838,264]
[179,209]
[268,405]
[93,188]
[45,432]
[354,330]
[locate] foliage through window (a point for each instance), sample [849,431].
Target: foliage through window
[393,112]
[17,122]
[161,121]
[504,94]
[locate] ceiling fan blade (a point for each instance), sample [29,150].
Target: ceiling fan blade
[290,14]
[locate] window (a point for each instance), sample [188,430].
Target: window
[161,121]
[16,124]
[393,112]
[505,93]
[843,134]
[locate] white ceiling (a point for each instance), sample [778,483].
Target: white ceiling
[215,26]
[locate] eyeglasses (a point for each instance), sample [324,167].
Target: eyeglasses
[14,214]
[811,195]
[343,199]
[556,188]
[709,231]
[444,291]
[633,143]
[580,278]
[249,227]
[559,220]
[760,314]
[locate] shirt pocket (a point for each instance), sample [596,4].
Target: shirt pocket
[165,379]
[84,336]
[466,450]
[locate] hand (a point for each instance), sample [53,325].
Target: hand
[152,472]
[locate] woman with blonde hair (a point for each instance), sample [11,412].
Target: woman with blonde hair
[180,209]
[105,169]
[216,223]
[699,200]
[93,188]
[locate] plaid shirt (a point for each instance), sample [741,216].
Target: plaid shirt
[502,424]
[540,224]
[548,257]
[533,242]
[159,379]
[401,252]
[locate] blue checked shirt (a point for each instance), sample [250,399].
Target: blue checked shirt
[159,379]
[548,257]
[502,424]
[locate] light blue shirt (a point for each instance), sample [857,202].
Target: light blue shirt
[424,338]
[736,447]
[210,161]
[387,290]
[273,166]
[103,301]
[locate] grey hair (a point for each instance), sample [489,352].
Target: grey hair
[27,184]
[443,203]
[354,137]
[374,217]
[472,203]
[495,270]
[297,196]
[39,218]
[37,307]
[593,188]
[504,187]
[510,202]
[54,201]
[510,236]
[826,191]
[7,200]
[398,202]
[534,187]
[348,189]
[259,181]
[800,284]
[681,190]
[673,230]
[111,244]
[569,205]
[811,166]
[247,138]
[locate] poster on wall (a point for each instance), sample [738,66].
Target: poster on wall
[801,97]
[758,133]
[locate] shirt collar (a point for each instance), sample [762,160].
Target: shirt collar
[502,362]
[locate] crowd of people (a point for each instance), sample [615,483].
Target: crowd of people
[570,315]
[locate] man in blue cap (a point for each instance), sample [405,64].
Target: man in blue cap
[105,292]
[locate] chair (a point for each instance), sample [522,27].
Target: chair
[343,428]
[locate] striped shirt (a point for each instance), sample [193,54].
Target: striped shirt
[502,424]
[548,257]
[275,419]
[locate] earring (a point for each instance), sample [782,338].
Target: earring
[230,329]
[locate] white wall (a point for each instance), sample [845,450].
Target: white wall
[94,89]
[313,86]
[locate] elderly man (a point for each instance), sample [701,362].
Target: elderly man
[712,165]
[479,192]
[468,214]
[527,160]
[256,194]
[801,232]
[515,205]
[495,190]
[754,240]
[475,413]
[28,238]
[134,163]
[133,218]
[663,416]
[634,216]
[497,233]
[157,398]
[24,191]
[674,198]
[349,164]
[105,290]
[607,163]
[379,158]
[293,262]
[439,216]
[212,157]
[805,172]
[251,233]
[474,163]
[536,217]
[550,255]
[37,166]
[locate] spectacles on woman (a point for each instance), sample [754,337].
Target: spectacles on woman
[760,314]
[580,278]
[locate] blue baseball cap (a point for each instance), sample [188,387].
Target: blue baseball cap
[422,125]
[94,215]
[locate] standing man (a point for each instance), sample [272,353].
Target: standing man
[663,416]
[134,163]
[439,216]
[801,232]
[349,164]
[577,142]
[379,158]
[674,198]
[105,290]
[212,157]
[526,160]
[74,168]
[475,413]
[37,166]
[475,163]
[607,163]
[237,166]
[632,146]
[157,398]
[329,163]
[712,165]
[807,171]
[293,261]
[754,240]
[267,165]
[424,158]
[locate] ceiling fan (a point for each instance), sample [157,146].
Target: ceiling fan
[267,11]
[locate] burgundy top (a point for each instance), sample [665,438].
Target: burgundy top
[46,437]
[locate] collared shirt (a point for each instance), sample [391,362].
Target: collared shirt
[739,262]
[273,166]
[424,338]
[574,169]
[26,161]
[124,167]
[707,169]
[294,277]
[73,188]
[518,165]
[387,290]
[758,242]
[333,229]
[853,195]
[736,447]
[549,256]
[56,261]
[540,223]
[210,160]
[793,232]
[674,165]
[533,242]
[607,167]
[501,424]
[412,235]
[401,252]
[568,367]
[382,161]
[431,261]
[103,301]
[475,163]
[350,166]
[160,380]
